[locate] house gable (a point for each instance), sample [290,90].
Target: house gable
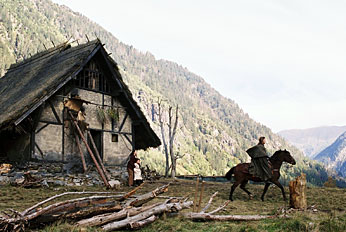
[46,80]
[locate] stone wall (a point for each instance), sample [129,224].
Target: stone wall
[61,174]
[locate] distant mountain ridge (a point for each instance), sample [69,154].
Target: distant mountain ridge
[313,140]
[214,131]
[334,156]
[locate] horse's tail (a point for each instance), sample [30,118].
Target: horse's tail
[230,173]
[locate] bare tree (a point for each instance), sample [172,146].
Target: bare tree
[159,103]
[171,134]
[172,129]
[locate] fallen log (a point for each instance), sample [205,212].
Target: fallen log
[172,207]
[220,208]
[127,208]
[203,216]
[109,217]
[140,224]
[83,207]
[140,200]
[209,202]
[210,217]
[32,208]
[133,191]
[69,204]
[79,210]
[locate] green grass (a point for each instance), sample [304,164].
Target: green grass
[329,202]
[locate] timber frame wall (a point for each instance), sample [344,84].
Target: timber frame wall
[51,139]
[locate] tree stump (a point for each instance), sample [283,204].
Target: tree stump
[298,192]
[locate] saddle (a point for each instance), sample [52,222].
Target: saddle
[251,169]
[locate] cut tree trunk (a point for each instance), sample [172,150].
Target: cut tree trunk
[298,192]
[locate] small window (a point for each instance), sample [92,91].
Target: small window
[114,138]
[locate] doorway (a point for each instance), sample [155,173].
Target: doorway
[97,137]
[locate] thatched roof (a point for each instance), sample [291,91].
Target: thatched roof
[28,84]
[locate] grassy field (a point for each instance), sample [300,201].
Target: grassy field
[329,202]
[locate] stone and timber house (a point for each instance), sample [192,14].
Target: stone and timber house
[36,95]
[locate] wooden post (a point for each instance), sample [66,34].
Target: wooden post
[97,153]
[90,152]
[196,193]
[81,152]
[298,192]
[201,197]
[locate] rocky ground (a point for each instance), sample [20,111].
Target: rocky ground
[59,174]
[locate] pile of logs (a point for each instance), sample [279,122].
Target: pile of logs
[108,210]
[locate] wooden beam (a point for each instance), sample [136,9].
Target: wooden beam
[133,137]
[123,122]
[38,116]
[41,128]
[39,149]
[34,125]
[32,143]
[89,150]
[63,136]
[128,139]
[80,152]
[54,112]
[50,122]
[111,131]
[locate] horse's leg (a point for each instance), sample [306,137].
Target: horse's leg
[277,183]
[234,186]
[265,190]
[242,186]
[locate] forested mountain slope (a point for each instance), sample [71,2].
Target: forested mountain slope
[213,133]
[334,156]
[313,140]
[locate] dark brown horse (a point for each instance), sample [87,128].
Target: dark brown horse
[242,175]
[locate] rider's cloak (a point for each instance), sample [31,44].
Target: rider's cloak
[259,162]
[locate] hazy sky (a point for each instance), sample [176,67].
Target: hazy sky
[283,62]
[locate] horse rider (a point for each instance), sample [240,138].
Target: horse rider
[259,161]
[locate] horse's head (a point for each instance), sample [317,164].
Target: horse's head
[288,158]
[284,156]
